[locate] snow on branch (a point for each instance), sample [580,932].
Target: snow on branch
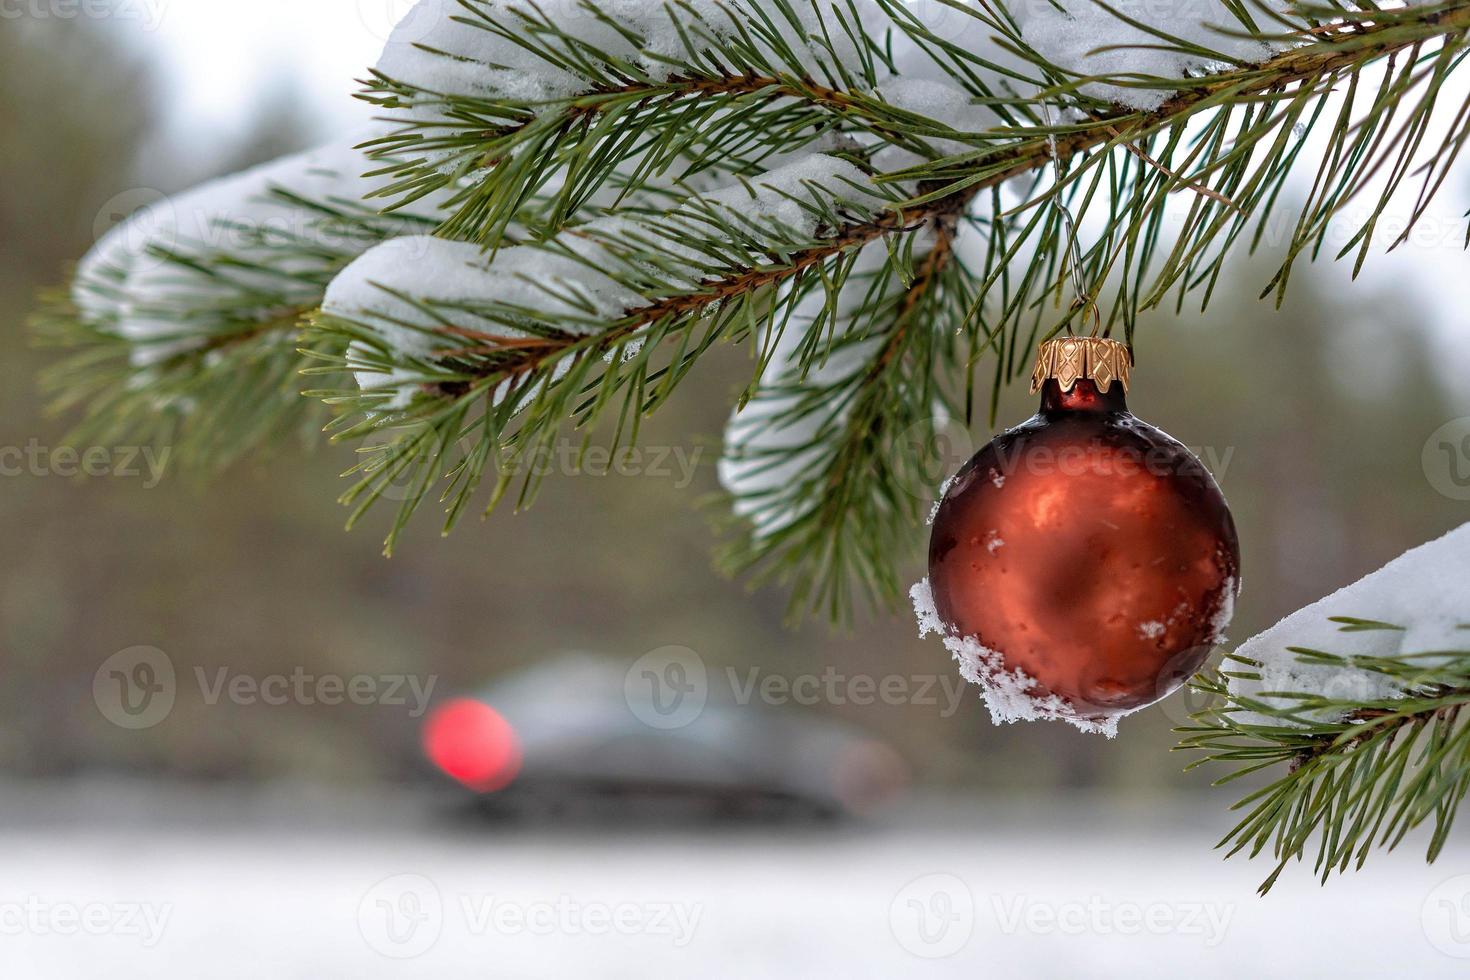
[1417,607]
[236,253]
[544,51]
[555,187]
[776,443]
[1363,701]
[1155,42]
[426,300]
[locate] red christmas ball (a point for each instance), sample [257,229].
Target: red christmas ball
[1084,564]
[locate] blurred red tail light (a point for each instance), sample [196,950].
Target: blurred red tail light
[473,744]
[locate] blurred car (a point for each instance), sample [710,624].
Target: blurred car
[580,737]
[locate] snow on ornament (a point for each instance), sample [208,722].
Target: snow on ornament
[1083,564]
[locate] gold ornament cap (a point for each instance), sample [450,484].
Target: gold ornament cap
[1066,360]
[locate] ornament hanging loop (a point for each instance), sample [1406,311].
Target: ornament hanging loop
[1073,257]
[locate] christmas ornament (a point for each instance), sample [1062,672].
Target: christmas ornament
[1083,564]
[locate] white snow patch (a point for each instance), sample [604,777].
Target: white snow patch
[442,47]
[1221,621]
[1007,691]
[942,102]
[1426,590]
[1070,38]
[167,309]
[943,492]
[763,457]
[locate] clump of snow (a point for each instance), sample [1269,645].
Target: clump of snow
[939,499]
[252,252]
[1425,590]
[1152,630]
[388,287]
[768,450]
[1072,36]
[443,47]
[943,102]
[1009,692]
[777,196]
[1221,620]
[388,283]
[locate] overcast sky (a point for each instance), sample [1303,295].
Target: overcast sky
[221,53]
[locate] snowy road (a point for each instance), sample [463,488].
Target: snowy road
[976,892]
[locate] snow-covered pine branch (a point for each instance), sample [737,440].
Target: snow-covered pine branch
[580,129]
[832,460]
[430,300]
[188,271]
[184,316]
[437,327]
[1420,602]
[1364,699]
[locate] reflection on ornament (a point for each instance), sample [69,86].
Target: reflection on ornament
[1084,564]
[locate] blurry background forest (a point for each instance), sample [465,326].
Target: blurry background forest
[1315,416]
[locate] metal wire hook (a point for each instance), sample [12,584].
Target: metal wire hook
[1083,298]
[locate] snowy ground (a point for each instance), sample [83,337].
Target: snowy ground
[97,886]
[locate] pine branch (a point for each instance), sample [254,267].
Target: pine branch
[1126,159]
[1352,773]
[575,166]
[830,509]
[708,270]
[190,342]
[697,111]
[1298,77]
[235,393]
